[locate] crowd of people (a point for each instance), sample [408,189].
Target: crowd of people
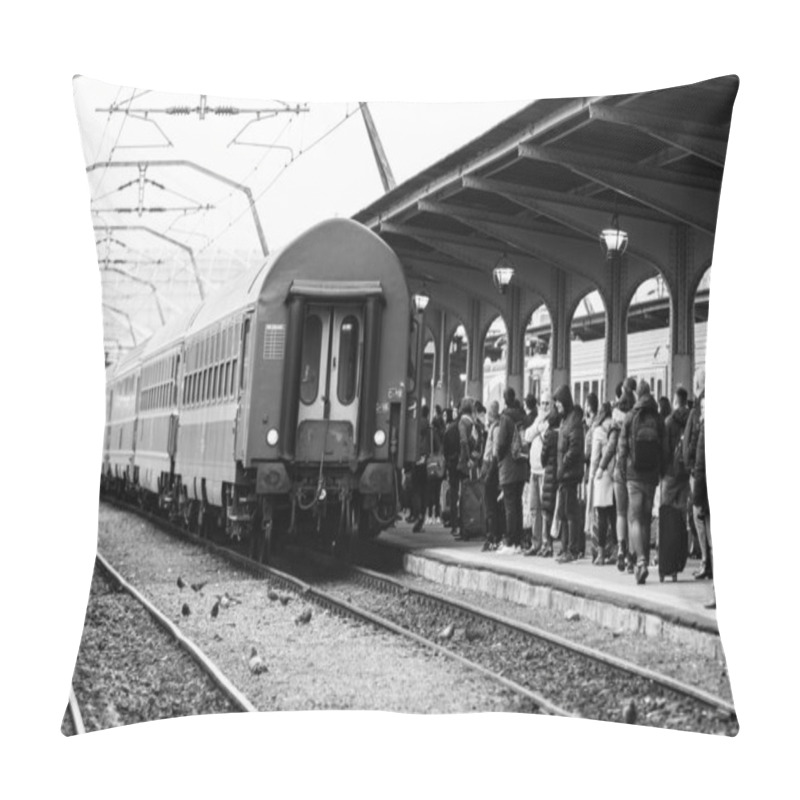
[556,479]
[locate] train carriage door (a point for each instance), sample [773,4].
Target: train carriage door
[331,364]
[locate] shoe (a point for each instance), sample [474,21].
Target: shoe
[417,526]
[641,575]
[600,561]
[488,545]
[565,558]
[532,551]
[701,574]
[630,568]
[546,552]
[712,605]
[505,549]
[621,562]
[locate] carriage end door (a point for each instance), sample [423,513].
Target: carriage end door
[330,375]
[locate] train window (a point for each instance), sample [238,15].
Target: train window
[226,387]
[596,388]
[348,360]
[245,350]
[309,362]
[658,392]
[233,375]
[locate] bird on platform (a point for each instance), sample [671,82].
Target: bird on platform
[215,610]
[304,618]
[284,598]
[198,586]
[629,714]
[181,584]
[448,632]
[273,595]
[257,666]
[185,610]
[471,634]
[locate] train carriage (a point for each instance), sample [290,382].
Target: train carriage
[289,395]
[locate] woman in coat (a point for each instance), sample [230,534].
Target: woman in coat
[602,490]
[549,484]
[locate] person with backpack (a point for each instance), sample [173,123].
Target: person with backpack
[702,516]
[534,438]
[641,444]
[451,448]
[569,473]
[512,466]
[675,483]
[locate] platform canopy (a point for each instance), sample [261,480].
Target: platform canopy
[538,189]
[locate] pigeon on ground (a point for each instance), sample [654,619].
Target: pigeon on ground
[304,618]
[257,666]
[629,715]
[185,610]
[181,584]
[447,633]
[273,595]
[198,586]
[215,610]
[284,598]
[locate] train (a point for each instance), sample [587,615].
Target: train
[286,404]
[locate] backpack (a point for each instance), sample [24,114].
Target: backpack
[451,442]
[645,441]
[517,448]
[678,463]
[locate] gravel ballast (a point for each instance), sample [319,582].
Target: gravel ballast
[130,670]
[325,663]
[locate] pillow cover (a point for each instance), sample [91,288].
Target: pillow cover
[279,373]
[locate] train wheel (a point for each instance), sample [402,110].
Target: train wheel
[262,540]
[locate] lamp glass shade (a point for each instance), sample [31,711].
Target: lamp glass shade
[502,275]
[421,300]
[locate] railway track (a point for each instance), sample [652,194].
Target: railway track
[580,681]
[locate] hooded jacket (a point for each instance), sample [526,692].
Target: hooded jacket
[570,460]
[624,453]
[549,458]
[674,427]
[510,471]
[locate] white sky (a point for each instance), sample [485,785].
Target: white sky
[335,177]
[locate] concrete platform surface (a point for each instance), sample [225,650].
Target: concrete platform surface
[434,554]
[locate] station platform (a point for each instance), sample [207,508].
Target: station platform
[613,599]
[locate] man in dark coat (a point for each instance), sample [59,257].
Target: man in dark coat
[641,451]
[569,472]
[702,517]
[512,470]
[675,484]
[419,474]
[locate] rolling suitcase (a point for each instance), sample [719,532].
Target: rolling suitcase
[472,508]
[672,544]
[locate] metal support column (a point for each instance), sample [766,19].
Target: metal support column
[474,388]
[681,321]
[516,352]
[616,354]
[560,345]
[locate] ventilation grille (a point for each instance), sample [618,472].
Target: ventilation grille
[274,342]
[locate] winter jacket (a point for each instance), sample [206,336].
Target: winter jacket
[624,449]
[424,439]
[570,462]
[603,484]
[690,433]
[534,436]
[674,426]
[549,458]
[700,484]
[511,470]
[609,460]
[466,452]
[450,445]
